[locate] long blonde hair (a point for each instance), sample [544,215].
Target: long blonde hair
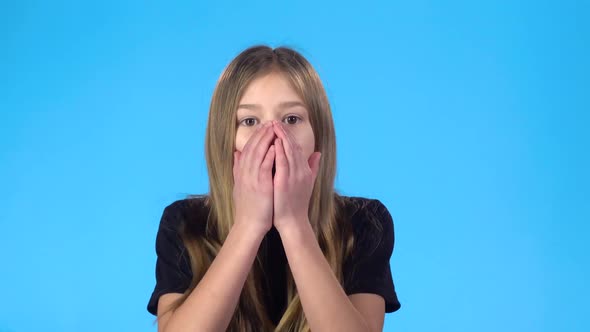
[335,238]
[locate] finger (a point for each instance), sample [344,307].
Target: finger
[296,153]
[253,140]
[266,166]
[253,153]
[282,164]
[261,149]
[286,143]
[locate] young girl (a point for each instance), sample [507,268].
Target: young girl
[272,246]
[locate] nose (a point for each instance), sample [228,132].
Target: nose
[269,121]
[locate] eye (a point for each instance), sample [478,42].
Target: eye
[248,122]
[292,119]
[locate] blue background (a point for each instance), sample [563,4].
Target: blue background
[467,119]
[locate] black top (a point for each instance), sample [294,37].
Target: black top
[367,269]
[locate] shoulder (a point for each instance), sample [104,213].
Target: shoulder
[191,211]
[371,223]
[367,268]
[365,212]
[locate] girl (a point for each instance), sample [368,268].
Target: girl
[272,246]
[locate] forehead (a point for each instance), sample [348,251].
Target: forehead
[271,89]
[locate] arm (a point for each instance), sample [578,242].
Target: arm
[326,306]
[211,304]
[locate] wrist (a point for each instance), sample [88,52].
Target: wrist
[294,228]
[248,228]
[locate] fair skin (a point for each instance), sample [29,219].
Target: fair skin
[273,127]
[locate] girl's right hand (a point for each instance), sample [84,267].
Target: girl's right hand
[253,183]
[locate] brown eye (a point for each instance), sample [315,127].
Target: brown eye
[249,122]
[292,119]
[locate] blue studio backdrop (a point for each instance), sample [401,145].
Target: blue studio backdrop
[467,119]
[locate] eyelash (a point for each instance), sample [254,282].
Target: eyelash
[288,116]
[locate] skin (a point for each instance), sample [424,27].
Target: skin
[263,101]
[273,125]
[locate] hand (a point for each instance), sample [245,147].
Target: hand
[253,186]
[293,181]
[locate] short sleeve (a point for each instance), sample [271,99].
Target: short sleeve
[371,272]
[173,273]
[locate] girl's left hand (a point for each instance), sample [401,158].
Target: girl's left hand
[293,181]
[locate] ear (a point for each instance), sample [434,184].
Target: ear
[314,163]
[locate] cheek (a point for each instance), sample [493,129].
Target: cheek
[309,149]
[307,142]
[241,139]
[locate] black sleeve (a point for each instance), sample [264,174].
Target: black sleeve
[173,273]
[372,272]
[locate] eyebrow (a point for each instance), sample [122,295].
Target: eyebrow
[283,105]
